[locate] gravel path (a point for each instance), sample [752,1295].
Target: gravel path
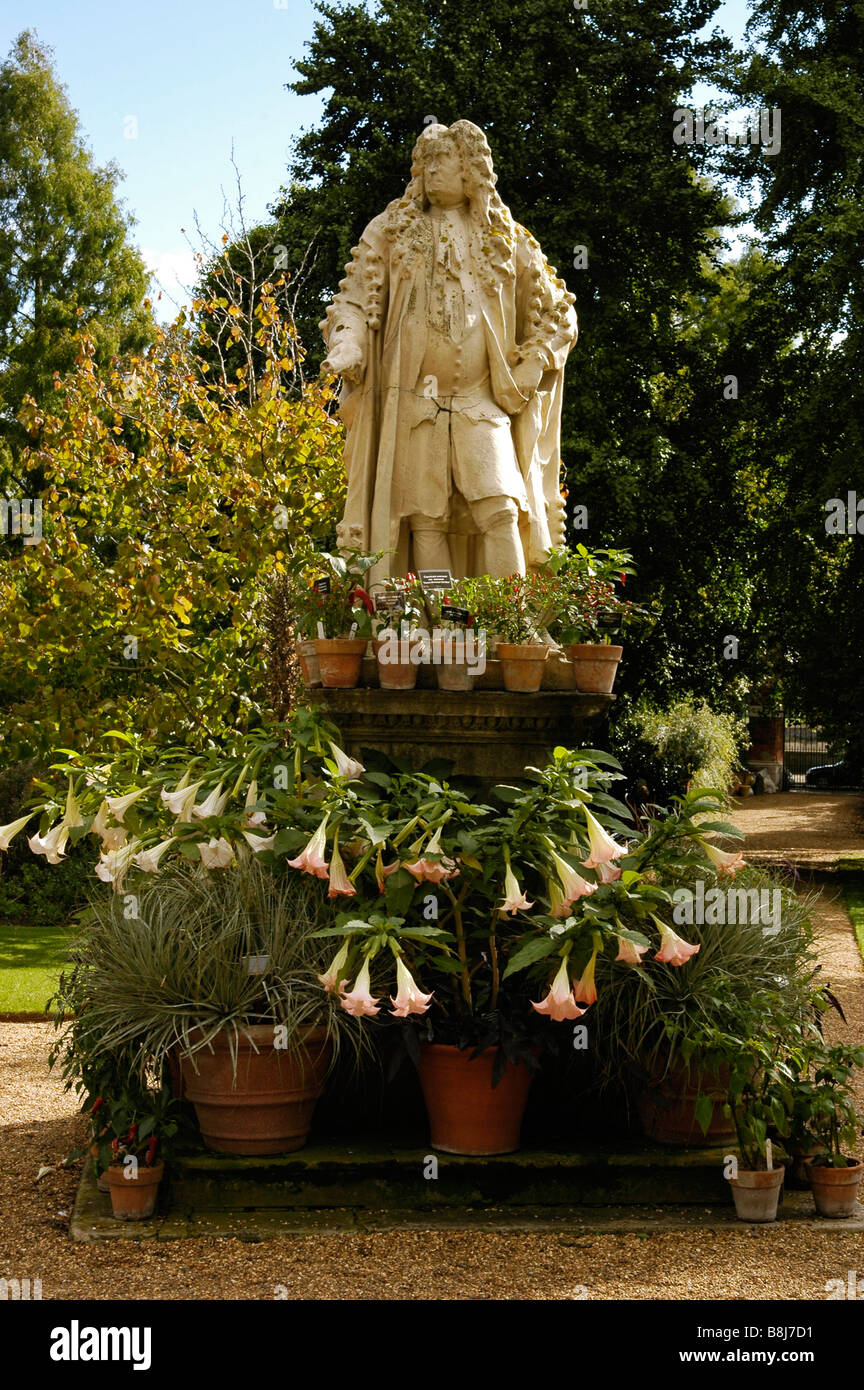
[805,828]
[39,1124]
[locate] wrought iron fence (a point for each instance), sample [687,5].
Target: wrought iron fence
[811,759]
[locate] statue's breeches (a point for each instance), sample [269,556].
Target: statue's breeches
[467,450]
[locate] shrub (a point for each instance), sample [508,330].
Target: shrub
[663,752]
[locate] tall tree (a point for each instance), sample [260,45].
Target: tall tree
[66,260]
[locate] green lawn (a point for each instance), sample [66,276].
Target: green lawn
[854,896]
[31,959]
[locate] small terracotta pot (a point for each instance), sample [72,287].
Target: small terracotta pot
[340,660]
[269,1109]
[835,1190]
[757,1193]
[466,1115]
[134,1199]
[667,1107]
[309,663]
[594,666]
[394,675]
[522,665]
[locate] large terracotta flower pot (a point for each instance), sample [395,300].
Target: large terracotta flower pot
[835,1190]
[340,660]
[466,1116]
[309,663]
[756,1193]
[667,1107]
[269,1108]
[594,666]
[394,675]
[134,1199]
[522,665]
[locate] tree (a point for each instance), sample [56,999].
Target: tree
[65,257]
[171,504]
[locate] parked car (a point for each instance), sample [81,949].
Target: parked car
[830,775]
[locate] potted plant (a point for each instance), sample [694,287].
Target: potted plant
[458,649]
[336,616]
[828,1123]
[219,968]
[590,611]
[759,1100]
[512,612]
[401,638]
[132,1150]
[492,921]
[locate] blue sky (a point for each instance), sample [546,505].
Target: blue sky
[196,76]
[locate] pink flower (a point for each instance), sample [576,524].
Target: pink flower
[607,873]
[628,952]
[383,871]
[560,1002]
[585,990]
[558,907]
[673,951]
[330,979]
[359,1002]
[408,999]
[432,871]
[602,846]
[339,880]
[574,885]
[311,859]
[724,863]
[514,899]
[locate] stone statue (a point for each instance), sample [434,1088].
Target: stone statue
[450,332]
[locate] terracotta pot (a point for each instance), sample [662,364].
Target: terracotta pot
[667,1107]
[269,1110]
[454,675]
[134,1199]
[466,1116]
[175,1071]
[594,666]
[340,660]
[522,665]
[309,662]
[394,675]
[835,1190]
[757,1193]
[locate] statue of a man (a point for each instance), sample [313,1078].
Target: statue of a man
[450,332]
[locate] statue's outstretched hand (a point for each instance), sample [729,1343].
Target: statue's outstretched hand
[345,358]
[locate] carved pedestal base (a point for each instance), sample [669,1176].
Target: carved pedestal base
[491,735]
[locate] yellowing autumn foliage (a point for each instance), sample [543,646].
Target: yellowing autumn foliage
[172,497]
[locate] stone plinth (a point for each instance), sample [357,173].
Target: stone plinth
[488,734]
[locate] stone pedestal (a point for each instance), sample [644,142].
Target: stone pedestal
[491,735]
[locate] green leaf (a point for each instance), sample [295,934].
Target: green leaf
[532,951]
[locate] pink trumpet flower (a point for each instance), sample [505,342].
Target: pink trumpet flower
[432,871]
[574,885]
[311,859]
[346,767]
[629,953]
[216,854]
[340,883]
[557,905]
[724,863]
[514,899]
[602,846]
[359,1001]
[409,999]
[607,873]
[560,1002]
[8,832]
[673,951]
[330,979]
[585,990]
[383,871]
[52,844]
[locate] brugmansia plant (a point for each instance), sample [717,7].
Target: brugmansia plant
[471,914]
